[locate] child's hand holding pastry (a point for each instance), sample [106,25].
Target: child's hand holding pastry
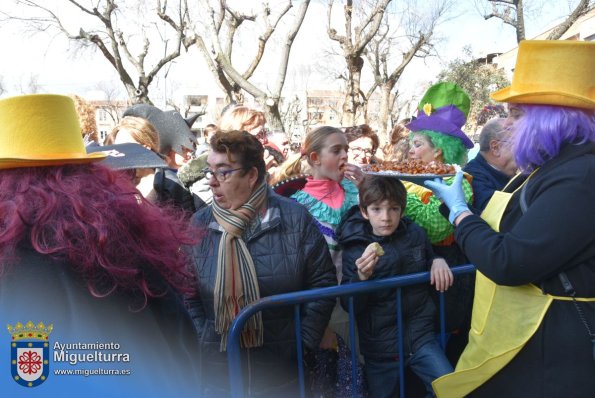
[367,262]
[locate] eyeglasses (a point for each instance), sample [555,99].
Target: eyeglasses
[367,152]
[220,175]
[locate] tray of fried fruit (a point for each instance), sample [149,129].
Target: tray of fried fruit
[414,171]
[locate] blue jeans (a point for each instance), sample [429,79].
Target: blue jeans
[428,363]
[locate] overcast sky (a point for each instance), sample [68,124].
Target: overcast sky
[59,71]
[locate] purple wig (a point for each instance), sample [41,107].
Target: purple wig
[94,219]
[544,129]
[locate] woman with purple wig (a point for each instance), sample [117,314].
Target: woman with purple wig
[87,266]
[533,325]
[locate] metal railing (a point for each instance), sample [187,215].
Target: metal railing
[304,296]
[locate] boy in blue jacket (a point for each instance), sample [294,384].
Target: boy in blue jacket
[378,220]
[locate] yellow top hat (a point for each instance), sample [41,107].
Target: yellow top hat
[41,130]
[553,72]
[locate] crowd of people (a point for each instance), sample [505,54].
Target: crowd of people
[162,255]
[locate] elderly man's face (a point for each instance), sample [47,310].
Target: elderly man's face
[234,188]
[509,166]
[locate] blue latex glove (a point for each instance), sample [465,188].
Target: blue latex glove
[452,195]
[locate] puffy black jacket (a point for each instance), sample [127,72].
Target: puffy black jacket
[406,251]
[289,255]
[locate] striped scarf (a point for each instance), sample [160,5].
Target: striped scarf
[236,284]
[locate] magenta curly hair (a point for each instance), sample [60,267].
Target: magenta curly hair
[94,219]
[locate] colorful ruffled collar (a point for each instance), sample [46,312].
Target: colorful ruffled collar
[317,204]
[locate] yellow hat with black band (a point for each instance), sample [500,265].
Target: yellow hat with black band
[552,72]
[41,130]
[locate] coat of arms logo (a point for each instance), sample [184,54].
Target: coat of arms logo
[29,353]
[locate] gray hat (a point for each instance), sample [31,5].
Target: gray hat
[173,130]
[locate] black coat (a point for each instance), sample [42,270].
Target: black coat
[406,251]
[289,254]
[170,190]
[555,234]
[159,339]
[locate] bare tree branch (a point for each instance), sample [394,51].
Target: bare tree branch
[353,46]
[581,8]
[511,13]
[263,38]
[84,9]
[109,39]
[373,21]
[237,15]
[219,58]
[416,42]
[286,51]
[222,80]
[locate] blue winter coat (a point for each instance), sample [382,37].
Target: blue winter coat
[289,254]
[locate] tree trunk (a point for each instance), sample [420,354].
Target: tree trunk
[137,95]
[352,101]
[520,22]
[559,30]
[385,108]
[219,58]
[272,114]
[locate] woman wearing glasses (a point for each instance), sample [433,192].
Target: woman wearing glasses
[257,244]
[363,143]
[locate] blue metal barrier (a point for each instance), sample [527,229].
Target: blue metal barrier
[304,296]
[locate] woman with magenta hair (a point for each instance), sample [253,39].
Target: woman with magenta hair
[533,324]
[87,265]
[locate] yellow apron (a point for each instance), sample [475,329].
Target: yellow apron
[503,319]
